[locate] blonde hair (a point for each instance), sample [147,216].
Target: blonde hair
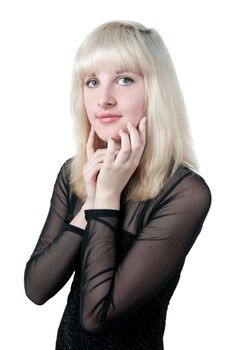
[129,46]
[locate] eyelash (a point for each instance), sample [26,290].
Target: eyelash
[128,78]
[123,77]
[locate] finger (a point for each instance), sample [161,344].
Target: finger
[134,140]
[98,158]
[125,150]
[142,130]
[90,144]
[91,171]
[137,140]
[100,154]
[93,166]
[110,155]
[142,136]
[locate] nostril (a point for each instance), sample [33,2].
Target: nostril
[107,102]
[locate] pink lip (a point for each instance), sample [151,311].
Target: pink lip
[108,115]
[108,119]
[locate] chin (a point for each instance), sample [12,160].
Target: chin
[116,138]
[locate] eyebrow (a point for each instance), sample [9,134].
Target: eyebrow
[116,72]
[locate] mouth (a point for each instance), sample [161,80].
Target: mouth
[108,117]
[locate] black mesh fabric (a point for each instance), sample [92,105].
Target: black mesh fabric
[126,263]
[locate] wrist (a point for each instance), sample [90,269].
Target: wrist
[87,205]
[106,200]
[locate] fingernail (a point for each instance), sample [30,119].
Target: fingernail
[144,120]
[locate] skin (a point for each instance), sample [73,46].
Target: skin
[119,93]
[107,171]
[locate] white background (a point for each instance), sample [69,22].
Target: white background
[37,47]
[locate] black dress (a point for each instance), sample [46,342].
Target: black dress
[127,262]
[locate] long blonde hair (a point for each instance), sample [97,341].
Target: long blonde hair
[129,46]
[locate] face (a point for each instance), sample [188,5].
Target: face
[108,93]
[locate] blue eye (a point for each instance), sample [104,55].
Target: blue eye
[126,80]
[91,83]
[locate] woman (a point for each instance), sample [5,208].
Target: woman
[127,208]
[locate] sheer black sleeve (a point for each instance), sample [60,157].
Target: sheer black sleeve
[59,245]
[111,292]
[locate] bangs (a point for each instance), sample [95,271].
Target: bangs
[111,57]
[115,49]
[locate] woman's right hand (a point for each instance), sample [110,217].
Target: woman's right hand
[92,167]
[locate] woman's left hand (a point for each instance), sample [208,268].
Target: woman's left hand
[117,170]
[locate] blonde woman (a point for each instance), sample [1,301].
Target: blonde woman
[128,206]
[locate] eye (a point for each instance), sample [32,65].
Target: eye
[125,81]
[91,83]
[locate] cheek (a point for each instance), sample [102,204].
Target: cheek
[137,108]
[141,100]
[137,101]
[141,105]
[85,97]
[88,102]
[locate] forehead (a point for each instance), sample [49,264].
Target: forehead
[110,72]
[100,70]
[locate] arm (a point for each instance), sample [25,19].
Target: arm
[79,220]
[111,293]
[54,258]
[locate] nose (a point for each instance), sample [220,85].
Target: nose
[106,104]
[106,99]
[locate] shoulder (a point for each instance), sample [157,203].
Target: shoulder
[65,167]
[185,188]
[68,162]
[196,185]
[192,190]
[64,172]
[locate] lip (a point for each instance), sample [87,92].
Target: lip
[108,115]
[108,119]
